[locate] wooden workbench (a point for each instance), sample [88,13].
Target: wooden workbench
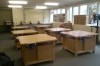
[56,32]
[41,28]
[20,27]
[22,33]
[79,41]
[37,48]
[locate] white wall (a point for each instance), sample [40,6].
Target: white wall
[46,16]
[33,15]
[30,14]
[99,7]
[17,15]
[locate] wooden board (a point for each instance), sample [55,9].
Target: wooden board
[56,32]
[41,28]
[38,38]
[22,32]
[20,27]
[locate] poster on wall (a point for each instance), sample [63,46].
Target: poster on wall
[59,18]
[62,18]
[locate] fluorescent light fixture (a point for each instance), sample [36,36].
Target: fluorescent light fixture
[51,3]
[14,6]
[41,7]
[17,2]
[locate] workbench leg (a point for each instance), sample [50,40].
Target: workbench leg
[52,61]
[76,54]
[93,51]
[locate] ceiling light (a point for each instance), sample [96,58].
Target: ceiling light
[17,2]
[41,7]
[14,6]
[51,3]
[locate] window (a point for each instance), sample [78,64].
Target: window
[99,7]
[92,10]
[69,14]
[83,10]
[57,15]
[55,11]
[63,11]
[75,10]
[93,7]
[51,15]
[58,11]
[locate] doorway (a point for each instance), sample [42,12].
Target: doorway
[5,15]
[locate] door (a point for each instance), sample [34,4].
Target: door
[5,15]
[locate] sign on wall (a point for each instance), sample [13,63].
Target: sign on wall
[59,17]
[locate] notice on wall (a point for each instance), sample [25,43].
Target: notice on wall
[59,17]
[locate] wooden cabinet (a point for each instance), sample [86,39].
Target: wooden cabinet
[39,53]
[79,41]
[8,25]
[37,49]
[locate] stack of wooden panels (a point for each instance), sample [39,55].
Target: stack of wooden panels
[80,19]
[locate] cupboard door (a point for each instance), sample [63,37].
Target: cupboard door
[28,54]
[45,51]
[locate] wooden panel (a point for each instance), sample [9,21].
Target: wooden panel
[41,30]
[80,19]
[68,26]
[45,51]
[90,43]
[17,44]
[20,27]
[23,32]
[71,44]
[65,42]
[28,54]
[75,19]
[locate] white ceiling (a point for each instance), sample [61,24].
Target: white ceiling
[33,3]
